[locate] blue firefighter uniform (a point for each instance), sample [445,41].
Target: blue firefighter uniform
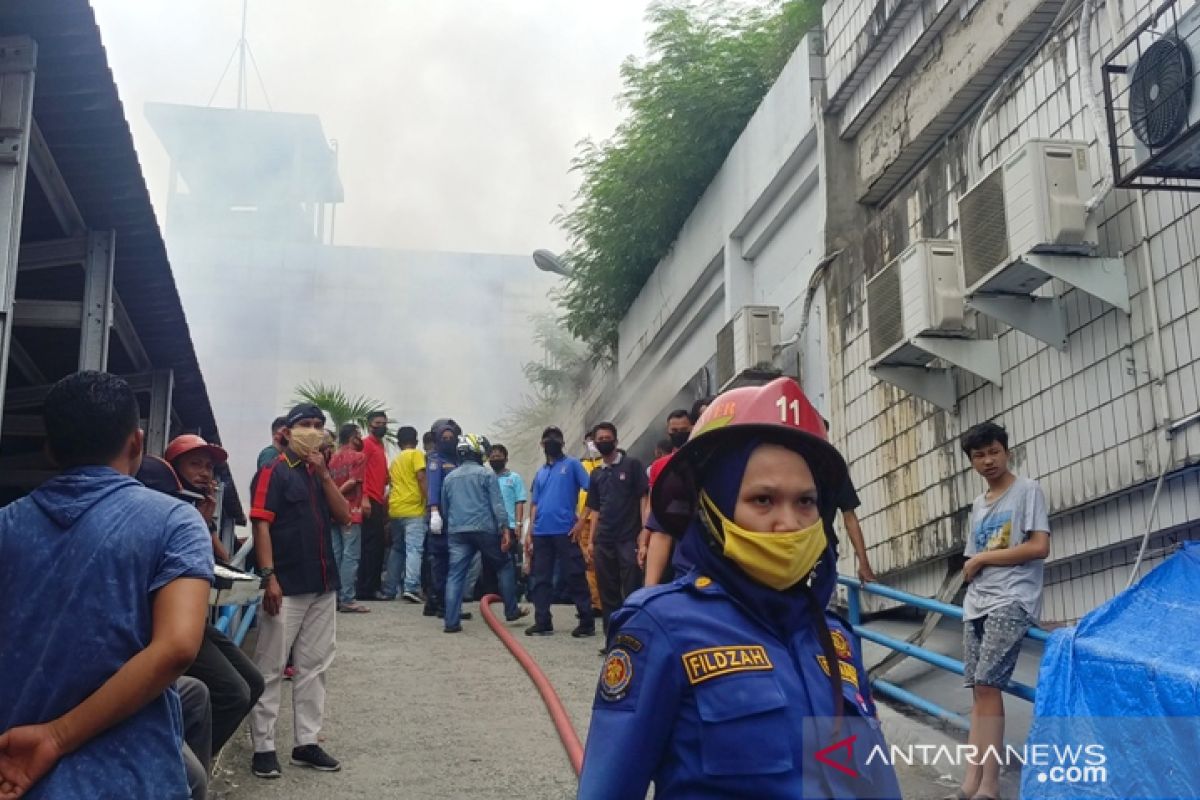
[692,676]
[437,466]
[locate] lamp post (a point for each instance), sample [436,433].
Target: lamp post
[546,261]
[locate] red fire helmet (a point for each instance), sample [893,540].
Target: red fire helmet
[189,442]
[777,412]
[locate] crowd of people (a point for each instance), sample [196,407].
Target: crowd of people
[109,650]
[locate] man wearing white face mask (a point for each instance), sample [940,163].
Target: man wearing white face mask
[294,500]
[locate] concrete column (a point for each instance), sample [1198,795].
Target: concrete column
[739,278]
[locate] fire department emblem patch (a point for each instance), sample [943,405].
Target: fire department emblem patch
[616,676]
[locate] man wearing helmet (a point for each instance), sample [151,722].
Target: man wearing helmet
[733,680]
[439,465]
[476,522]
[195,462]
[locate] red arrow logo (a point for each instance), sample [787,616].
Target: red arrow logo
[823,756]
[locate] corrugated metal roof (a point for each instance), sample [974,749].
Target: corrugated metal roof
[79,111]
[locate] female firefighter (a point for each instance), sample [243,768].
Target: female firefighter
[733,680]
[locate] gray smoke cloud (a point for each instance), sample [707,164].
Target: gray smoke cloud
[456,119]
[456,123]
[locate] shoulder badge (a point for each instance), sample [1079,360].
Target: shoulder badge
[616,675]
[841,646]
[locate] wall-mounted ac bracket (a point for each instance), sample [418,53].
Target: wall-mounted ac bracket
[1005,295]
[1043,318]
[907,366]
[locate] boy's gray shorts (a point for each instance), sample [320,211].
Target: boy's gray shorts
[991,644]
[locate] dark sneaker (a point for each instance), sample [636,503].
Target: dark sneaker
[522,612]
[466,615]
[455,629]
[311,755]
[429,611]
[383,596]
[265,765]
[584,631]
[539,630]
[413,597]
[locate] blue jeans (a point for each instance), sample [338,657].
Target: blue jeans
[347,550]
[463,547]
[404,560]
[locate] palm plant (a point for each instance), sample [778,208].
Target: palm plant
[339,406]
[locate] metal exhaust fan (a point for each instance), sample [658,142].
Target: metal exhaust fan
[1160,92]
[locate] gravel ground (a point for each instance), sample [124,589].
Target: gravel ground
[412,712]
[417,714]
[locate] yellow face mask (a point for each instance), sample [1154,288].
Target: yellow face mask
[304,441]
[778,560]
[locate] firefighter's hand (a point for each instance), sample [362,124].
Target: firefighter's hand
[27,753]
[435,522]
[272,599]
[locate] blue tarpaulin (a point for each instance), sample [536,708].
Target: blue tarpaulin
[1118,698]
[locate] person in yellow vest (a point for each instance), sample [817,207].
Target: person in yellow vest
[583,527]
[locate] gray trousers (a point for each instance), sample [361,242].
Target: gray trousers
[197,734]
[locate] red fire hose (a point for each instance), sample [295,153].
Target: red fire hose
[558,714]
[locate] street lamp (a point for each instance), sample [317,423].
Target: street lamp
[548,262]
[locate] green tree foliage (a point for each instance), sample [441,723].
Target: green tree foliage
[709,65]
[337,404]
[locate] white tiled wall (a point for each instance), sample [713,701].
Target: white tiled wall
[1081,421]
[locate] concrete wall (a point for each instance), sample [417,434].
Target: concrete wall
[755,236]
[1084,421]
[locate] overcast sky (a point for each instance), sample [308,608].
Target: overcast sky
[456,119]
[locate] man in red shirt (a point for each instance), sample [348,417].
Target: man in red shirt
[347,467]
[374,509]
[654,546]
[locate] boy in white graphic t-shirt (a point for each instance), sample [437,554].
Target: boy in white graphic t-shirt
[1006,550]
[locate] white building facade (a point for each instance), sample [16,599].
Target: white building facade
[864,146]
[1100,424]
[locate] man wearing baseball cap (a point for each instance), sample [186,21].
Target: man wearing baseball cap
[195,461]
[295,503]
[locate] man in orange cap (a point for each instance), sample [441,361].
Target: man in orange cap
[195,462]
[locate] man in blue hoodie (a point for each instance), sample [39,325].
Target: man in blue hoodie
[104,585]
[477,522]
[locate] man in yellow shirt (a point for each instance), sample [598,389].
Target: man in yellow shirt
[583,528]
[406,508]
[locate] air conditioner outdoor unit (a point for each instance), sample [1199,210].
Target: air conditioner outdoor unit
[1033,202]
[1163,107]
[917,294]
[746,345]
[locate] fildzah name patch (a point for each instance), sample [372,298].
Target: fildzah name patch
[713,662]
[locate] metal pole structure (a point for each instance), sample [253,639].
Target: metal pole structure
[18,57]
[333,205]
[241,77]
[97,301]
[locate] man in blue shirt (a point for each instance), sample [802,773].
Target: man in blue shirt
[552,514]
[512,487]
[104,585]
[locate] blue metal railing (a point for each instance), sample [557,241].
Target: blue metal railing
[242,616]
[888,689]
